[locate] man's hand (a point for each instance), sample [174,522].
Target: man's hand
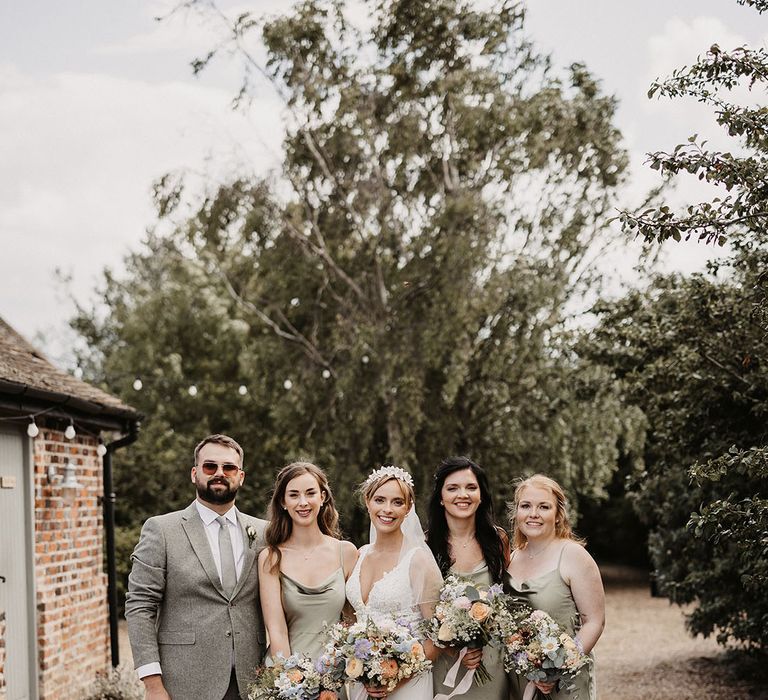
[154,688]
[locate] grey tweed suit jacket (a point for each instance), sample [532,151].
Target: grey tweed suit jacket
[177,611]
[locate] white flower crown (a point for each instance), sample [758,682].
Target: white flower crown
[396,472]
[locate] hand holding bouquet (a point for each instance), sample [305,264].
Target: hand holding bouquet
[381,654]
[297,678]
[469,616]
[539,649]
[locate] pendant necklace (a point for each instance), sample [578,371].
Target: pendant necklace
[546,547]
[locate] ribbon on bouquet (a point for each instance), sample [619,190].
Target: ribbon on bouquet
[450,679]
[530,691]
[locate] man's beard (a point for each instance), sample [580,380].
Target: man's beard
[218,497]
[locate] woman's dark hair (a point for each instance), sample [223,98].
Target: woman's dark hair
[493,540]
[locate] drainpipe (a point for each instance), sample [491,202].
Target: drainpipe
[109,525]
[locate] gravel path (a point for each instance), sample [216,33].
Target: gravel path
[645,652]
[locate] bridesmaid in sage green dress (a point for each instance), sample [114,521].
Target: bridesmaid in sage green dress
[467,542]
[304,567]
[553,572]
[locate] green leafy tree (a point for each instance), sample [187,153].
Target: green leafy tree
[694,358]
[442,199]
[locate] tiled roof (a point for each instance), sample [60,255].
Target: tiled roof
[25,371]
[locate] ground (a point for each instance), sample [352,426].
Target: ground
[645,652]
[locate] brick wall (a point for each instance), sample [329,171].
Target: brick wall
[72,614]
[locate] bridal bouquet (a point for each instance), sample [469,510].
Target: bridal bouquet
[469,616]
[380,654]
[297,678]
[537,647]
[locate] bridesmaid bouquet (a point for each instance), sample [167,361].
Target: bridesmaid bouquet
[380,654]
[469,616]
[537,647]
[297,678]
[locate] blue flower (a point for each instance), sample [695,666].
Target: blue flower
[363,648]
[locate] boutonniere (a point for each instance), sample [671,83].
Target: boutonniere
[250,530]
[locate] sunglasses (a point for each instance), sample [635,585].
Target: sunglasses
[210,468]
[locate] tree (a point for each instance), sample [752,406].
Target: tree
[443,197]
[695,357]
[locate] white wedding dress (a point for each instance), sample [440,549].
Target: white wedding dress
[395,596]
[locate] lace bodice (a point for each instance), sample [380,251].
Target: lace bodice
[392,597]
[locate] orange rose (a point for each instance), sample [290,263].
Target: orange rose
[327,695]
[389,668]
[479,610]
[294,675]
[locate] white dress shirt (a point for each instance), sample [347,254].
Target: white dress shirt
[211,526]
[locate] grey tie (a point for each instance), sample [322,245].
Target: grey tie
[228,570]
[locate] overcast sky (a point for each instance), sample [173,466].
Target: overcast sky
[97,101]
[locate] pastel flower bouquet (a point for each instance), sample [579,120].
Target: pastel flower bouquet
[469,616]
[297,678]
[379,653]
[539,649]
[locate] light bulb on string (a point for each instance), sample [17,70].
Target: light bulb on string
[70,433]
[242,390]
[287,384]
[32,429]
[137,384]
[192,391]
[101,448]
[365,359]
[326,374]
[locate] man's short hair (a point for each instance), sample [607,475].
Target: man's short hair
[218,439]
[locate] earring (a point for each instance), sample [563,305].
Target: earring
[441,503]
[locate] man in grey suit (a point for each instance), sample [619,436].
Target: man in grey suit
[194,619]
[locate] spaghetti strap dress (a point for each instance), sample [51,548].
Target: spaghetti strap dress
[551,594]
[497,688]
[308,609]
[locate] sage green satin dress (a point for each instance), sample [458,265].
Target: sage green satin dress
[497,688]
[551,594]
[309,609]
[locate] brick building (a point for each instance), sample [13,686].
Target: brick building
[57,601]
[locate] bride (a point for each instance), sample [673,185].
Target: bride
[396,576]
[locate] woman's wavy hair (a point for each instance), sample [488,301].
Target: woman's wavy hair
[280,524]
[493,540]
[563,529]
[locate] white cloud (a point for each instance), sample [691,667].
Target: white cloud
[80,152]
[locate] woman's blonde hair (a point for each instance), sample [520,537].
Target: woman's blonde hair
[370,486]
[563,528]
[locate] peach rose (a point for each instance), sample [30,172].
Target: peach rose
[389,668]
[327,695]
[417,651]
[354,668]
[479,611]
[294,675]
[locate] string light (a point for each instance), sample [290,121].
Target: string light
[242,390]
[192,390]
[287,384]
[70,433]
[137,384]
[326,374]
[365,359]
[32,429]
[101,449]
[295,301]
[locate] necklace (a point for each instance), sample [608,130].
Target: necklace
[534,555]
[306,555]
[466,541]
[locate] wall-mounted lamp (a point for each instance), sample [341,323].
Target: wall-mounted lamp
[67,480]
